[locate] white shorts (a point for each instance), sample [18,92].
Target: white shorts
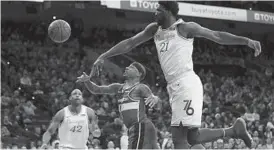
[186,100]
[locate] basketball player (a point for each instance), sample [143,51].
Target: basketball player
[133,98]
[174,42]
[74,124]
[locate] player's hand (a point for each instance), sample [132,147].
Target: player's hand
[83,78]
[152,101]
[44,146]
[256,45]
[97,67]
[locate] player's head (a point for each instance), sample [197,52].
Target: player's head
[165,10]
[76,97]
[135,70]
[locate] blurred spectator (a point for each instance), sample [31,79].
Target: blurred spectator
[5,131]
[25,79]
[23,147]
[220,144]
[14,147]
[29,109]
[55,144]
[32,145]
[110,146]
[124,138]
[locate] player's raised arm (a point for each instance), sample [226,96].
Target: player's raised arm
[225,38]
[130,43]
[97,89]
[150,98]
[126,45]
[56,121]
[93,123]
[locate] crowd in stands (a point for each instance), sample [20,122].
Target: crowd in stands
[37,76]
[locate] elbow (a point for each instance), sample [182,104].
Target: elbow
[50,132]
[93,92]
[129,44]
[47,134]
[217,38]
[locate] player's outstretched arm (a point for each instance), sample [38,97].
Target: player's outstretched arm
[224,38]
[93,123]
[97,89]
[103,89]
[150,99]
[130,43]
[56,121]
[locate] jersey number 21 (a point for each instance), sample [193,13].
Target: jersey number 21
[164,46]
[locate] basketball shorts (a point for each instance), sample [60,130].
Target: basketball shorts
[142,135]
[186,100]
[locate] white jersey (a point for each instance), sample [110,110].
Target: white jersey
[174,52]
[74,132]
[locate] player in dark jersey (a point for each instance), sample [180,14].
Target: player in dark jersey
[134,96]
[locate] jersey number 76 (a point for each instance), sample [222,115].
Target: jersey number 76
[189,110]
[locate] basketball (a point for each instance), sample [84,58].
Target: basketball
[59,31]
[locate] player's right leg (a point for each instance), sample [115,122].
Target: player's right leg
[186,99]
[179,137]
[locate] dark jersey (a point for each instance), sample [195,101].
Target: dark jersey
[131,105]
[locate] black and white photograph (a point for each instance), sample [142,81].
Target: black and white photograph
[137,74]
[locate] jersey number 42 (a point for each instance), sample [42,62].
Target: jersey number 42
[77,128]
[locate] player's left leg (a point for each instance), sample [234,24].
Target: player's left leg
[150,135]
[238,130]
[136,136]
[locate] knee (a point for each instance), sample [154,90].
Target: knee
[179,141]
[193,137]
[192,141]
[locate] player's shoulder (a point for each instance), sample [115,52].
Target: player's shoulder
[117,84]
[142,86]
[61,111]
[188,26]
[60,114]
[153,25]
[90,111]
[152,28]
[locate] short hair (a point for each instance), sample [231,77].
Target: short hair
[171,6]
[141,69]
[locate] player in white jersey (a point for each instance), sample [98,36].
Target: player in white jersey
[74,124]
[174,42]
